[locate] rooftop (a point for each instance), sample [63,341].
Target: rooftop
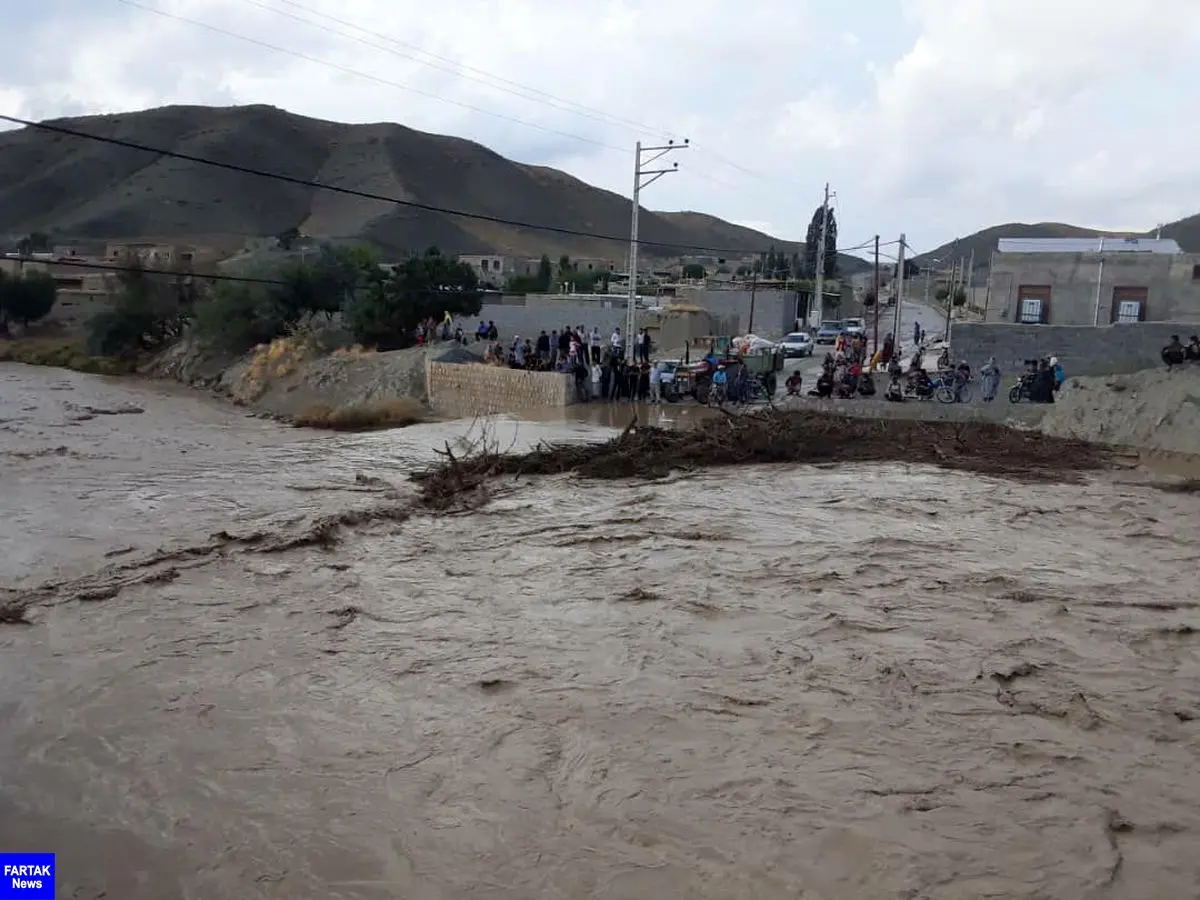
[1087,245]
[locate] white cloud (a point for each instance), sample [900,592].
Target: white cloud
[971,112]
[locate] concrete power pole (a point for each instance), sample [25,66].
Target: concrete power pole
[642,177]
[878,299]
[899,288]
[819,285]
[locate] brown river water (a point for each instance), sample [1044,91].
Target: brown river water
[789,682]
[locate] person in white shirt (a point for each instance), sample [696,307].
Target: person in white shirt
[656,383]
[616,342]
[595,340]
[597,375]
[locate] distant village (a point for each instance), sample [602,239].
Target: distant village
[1038,281]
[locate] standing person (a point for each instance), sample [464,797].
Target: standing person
[990,374]
[1060,374]
[916,332]
[595,344]
[656,383]
[493,333]
[646,343]
[617,343]
[597,378]
[543,346]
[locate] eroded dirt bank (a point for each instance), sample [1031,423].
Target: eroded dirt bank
[854,682]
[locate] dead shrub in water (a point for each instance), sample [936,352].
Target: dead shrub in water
[389,412]
[772,436]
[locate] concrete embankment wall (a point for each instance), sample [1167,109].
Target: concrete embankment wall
[999,412]
[474,389]
[1082,349]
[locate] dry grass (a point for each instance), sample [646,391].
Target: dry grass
[61,353]
[369,415]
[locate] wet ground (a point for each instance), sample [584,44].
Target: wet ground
[792,682]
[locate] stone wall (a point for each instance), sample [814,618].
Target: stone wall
[1082,349]
[474,389]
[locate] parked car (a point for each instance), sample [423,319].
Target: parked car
[829,332]
[796,344]
[854,326]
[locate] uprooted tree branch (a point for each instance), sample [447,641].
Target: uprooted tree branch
[464,480]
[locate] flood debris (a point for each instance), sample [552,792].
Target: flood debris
[14,613]
[770,436]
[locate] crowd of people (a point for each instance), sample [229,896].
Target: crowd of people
[601,367]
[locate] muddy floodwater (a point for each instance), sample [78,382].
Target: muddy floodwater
[791,682]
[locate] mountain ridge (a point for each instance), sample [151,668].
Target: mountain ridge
[78,189]
[982,243]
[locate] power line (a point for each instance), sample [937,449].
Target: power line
[365,195]
[482,76]
[459,70]
[188,274]
[384,81]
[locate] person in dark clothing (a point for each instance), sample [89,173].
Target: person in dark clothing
[615,385]
[543,346]
[646,342]
[1042,390]
[493,333]
[583,389]
[606,380]
[1192,351]
[1174,354]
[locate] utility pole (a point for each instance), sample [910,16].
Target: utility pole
[819,285]
[642,177]
[878,299]
[753,290]
[953,289]
[899,288]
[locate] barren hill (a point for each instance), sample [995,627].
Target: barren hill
[983,243]
[76,189]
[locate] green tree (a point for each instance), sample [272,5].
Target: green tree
[150,312]
[743,271]
[960,296]
[26,298]
[812,241]
[565,270]
[941,294]
[545,274]
[288,237]
[34,242]
[694,270]
[868,299]
[386,312]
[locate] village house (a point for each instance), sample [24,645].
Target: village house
[1092,281]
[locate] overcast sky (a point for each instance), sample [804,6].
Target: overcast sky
[932,117]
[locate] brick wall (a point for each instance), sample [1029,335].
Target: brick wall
[1082,349]
[474,389]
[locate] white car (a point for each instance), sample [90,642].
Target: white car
[796,344]
[854,326]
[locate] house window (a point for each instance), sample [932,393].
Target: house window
[1129,304]
[1033,304]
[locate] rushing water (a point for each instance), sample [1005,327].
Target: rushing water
[833,683]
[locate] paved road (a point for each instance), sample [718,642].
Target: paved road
[911,312]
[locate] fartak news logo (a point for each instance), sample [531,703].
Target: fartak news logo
[26,876]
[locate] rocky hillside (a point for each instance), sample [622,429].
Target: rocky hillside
[79,189]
